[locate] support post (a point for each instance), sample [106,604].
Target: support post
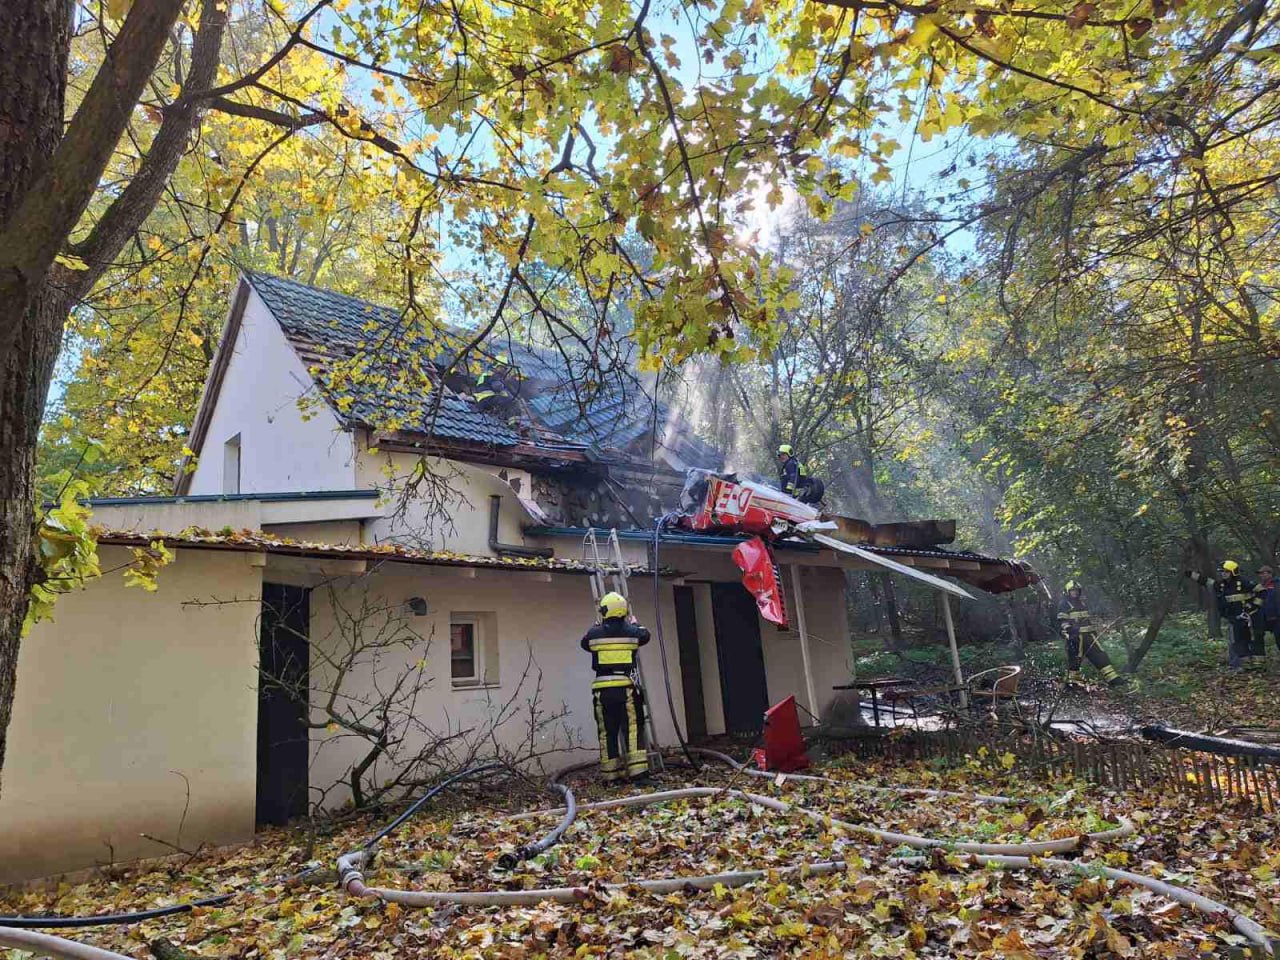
[955,650]
[804,639]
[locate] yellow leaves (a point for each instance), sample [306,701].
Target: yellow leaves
[147,564]
[118,9]
[925,29]
[792,930]
[71,261]
[917,936]
[1011,946]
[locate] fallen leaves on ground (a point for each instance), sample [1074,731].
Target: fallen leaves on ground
[877,907]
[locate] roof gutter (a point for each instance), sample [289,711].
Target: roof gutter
[683,539]
[510,549]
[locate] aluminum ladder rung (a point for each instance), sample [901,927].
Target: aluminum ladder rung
[616,568]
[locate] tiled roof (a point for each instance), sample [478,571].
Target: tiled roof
[323,325]
[255,541]
[539,411]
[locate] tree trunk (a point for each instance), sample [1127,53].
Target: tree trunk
[891,609]
[34,44]
[24,384]
[47,178]
[1158,616]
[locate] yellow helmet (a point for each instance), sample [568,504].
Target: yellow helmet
[1230,566]
[613,605]
[1074,585]
[784,450]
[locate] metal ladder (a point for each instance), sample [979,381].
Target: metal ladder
[612,567]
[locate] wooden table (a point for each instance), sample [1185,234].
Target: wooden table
[874,685]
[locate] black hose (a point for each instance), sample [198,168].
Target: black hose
[509,861]
[662,646]
[68,923]
[422,800]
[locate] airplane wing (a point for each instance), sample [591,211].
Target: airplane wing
[936,582]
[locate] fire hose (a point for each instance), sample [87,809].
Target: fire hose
[523,853]
[866,787]
[1005,856]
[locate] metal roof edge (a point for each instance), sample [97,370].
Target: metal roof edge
[684,538]
[248,542]
[280,497]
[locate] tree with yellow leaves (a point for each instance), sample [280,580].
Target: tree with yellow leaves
[498,136]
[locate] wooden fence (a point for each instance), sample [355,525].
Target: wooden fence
[1122,764]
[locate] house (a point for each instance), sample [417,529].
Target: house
[409,567]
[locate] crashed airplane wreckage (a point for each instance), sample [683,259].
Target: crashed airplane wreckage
[726,504]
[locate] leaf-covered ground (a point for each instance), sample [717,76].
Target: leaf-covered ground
[877,907]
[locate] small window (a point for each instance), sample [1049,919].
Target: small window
[464,652]
[473,649]
[231,465]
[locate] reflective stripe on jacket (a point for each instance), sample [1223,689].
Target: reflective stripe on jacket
[613,645]
[1075,617]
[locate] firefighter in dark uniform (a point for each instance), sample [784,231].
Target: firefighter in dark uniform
[1081,637]
[618,700]
[1238,600]
[794,478]
[1267,619]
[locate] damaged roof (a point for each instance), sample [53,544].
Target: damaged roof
[992,574]
[526,396]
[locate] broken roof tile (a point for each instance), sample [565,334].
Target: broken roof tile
[545,413]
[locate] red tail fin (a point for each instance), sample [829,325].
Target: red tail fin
[760,577]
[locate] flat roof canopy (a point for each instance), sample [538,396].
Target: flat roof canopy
[991,574]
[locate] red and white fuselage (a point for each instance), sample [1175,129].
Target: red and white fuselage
[742,506]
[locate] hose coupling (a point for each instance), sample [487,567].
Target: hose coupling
[513,858]
[349,876]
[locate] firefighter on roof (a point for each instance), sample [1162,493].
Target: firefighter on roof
[619,702]
[1081,637]
[794,477]
[1238,600]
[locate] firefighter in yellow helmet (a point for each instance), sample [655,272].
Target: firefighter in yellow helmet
[1081,637]
[1238,600]
[794,478]
[614,644]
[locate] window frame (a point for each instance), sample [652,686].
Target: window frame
[232,465]
[477,677]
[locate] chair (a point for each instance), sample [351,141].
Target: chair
[997,687]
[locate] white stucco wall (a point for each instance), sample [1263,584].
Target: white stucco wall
[280,450]
[124,686]
[449,511]
[545,614]
[119,689]
[830,655]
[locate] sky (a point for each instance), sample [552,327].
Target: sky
[918,167]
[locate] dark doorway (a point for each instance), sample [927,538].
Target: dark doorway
[695,714]
[282,715]
[741,658]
